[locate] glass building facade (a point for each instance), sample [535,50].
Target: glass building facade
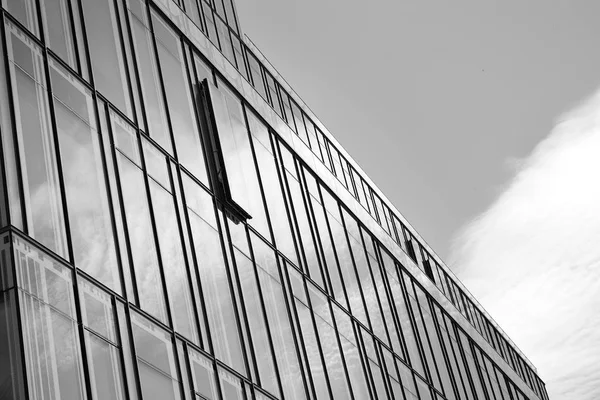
[175,223]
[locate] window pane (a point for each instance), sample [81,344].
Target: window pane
[237,155]
[152,95]
[183,120]
[51,339]
[173,261]
[274,197]
[213,275]
[58,29]
[85,186]
[141,240]
[256,320]
[34,136]
[96,310]
[105,369]
[156,361]
[106,53]
[351,354]
[25,11]
[279,322]
[203,375]
[313,351]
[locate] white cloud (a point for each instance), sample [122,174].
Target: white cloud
[533,258]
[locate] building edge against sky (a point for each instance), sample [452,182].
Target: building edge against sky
[178,289]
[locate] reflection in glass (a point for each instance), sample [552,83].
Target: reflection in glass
[173,261]
[51,339]
[256,320]
[156,361]
[328,338]
[152,96]
[36,145]
[237,155]
[203,375]
[141,240]
[279,322]
[351,354]
[272,187]
[105,369]
[85,187]
[106,53]
[222,320]
[58,29]
[25,11]
[179,99]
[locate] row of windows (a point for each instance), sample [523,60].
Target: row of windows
[81,341]
[276,96]
[109,226]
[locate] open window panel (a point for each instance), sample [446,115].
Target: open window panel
[225,137]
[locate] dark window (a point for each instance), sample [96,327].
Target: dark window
[218,130]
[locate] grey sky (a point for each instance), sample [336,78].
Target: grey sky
[438,101]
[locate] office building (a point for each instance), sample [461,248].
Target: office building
[177,224]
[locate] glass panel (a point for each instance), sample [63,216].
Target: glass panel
[85,186]
[11,375]
[152,95]
[105,369]
[257,78]
[237,155]
[272,188]
[404,320]
[96,310]
[141,239]
[43,201]
[351,354]
[25,11]
[203,375]
[279,322]
[126,347]
[302,218]
[256,319]
[179,99]
[345,260]
[173,261]
[105,51]
[51,338]
[313,350]
[328,338]
[231,385]
[58,29]
[8,144]
[156,360]
[213,275]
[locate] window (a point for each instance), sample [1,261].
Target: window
[225,133]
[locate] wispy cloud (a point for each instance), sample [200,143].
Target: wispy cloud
[533,258]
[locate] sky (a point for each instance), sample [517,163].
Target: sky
[479,121]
